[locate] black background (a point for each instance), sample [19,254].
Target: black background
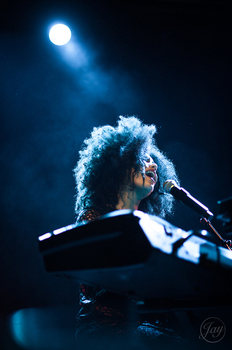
[168,62]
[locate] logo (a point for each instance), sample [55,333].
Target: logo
[212,330]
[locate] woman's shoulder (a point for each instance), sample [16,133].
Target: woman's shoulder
[91,214]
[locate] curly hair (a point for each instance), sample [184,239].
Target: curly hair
[106,160]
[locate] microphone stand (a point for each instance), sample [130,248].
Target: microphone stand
[227,242]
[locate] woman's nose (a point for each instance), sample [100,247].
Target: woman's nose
[154,165]
[151,164]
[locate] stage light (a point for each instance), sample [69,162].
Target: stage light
[60,34]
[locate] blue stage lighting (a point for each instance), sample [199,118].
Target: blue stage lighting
[60,34]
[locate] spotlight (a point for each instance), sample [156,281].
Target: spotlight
[60,34]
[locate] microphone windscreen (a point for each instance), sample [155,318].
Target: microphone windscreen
[168,185]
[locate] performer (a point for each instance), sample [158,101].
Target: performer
[120,168]
[111,171]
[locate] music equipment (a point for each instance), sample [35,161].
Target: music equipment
[144,256]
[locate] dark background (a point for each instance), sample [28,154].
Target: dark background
[168,62]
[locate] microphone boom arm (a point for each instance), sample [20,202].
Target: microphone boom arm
[179,193]
[185,197]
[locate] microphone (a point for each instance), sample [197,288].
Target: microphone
[179,193]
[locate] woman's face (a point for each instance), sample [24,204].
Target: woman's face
[145,180]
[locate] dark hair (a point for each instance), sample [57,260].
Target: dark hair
[106,160]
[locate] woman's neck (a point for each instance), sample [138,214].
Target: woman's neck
[128,200]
